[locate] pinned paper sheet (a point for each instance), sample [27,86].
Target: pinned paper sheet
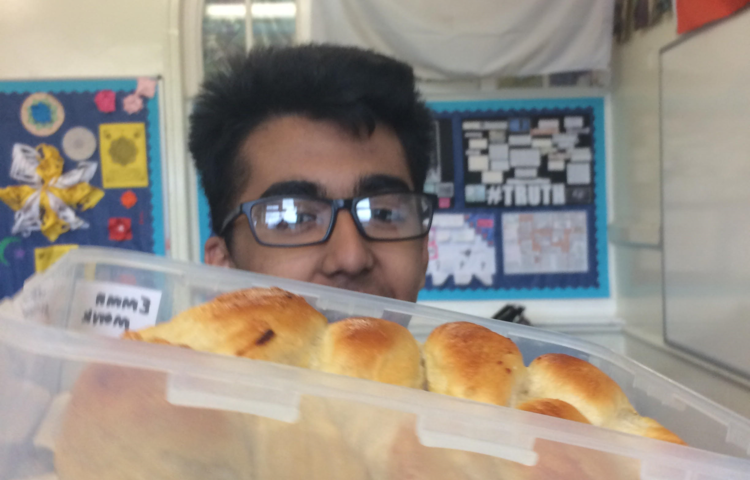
[573,122]
[499,151]
[45,257]
[549,124]
[478,143]
[519,140]
[492,177]
[123,153]
[579,174]
[479,163]
[462,248]
[581,155]
[499,165]
[545,242]
[525,157]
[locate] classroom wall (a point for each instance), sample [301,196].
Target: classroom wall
[636,176]
[105,38]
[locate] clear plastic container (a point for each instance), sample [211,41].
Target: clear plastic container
[175,413]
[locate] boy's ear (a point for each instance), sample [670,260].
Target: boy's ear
[216,253]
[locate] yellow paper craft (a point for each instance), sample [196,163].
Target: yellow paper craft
[47,200]
[45,257]
[123,153]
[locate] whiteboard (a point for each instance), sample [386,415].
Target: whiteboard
[705,128]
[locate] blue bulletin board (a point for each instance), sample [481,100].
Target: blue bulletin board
[522,201]
[80,164]
[522,196]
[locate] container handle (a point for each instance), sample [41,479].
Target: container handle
[189,391]
[443,432]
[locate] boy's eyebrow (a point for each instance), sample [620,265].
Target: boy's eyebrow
[295,187]
[381,183]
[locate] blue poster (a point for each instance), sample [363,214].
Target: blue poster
[80,164]
[521,188]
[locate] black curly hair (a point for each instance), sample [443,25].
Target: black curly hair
[354,88]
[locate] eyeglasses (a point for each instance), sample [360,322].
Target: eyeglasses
[296,221]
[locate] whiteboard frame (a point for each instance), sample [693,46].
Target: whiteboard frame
[744,374]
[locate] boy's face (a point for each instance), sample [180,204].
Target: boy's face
[291,155]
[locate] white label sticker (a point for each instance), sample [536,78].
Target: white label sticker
[111,308]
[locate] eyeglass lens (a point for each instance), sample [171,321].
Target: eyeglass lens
[298,221]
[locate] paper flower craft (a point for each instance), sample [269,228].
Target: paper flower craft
[46,200]
[146,87]
[132,103]
[120,229]
[105,101]
[128,199]
[42,114]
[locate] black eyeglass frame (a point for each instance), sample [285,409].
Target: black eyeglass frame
[348,204]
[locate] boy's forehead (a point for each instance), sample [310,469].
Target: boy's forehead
[321,153]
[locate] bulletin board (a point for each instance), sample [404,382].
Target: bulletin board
[522,200]
[80,164]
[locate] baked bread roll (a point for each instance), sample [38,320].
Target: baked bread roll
[119,426]
[469,361]
[259,323]
[601,401]
[553,408]
[372,349]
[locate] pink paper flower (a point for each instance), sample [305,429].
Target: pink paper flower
[132,103]
[146,87]
[105,101]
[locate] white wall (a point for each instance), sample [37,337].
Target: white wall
[636,187]
[42,39]
[636,174]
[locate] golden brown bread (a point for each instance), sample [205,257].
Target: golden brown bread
[553,408]
[372,349]
[259,323]
[461,359]
[119,426]
[592,392]
[469,361]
